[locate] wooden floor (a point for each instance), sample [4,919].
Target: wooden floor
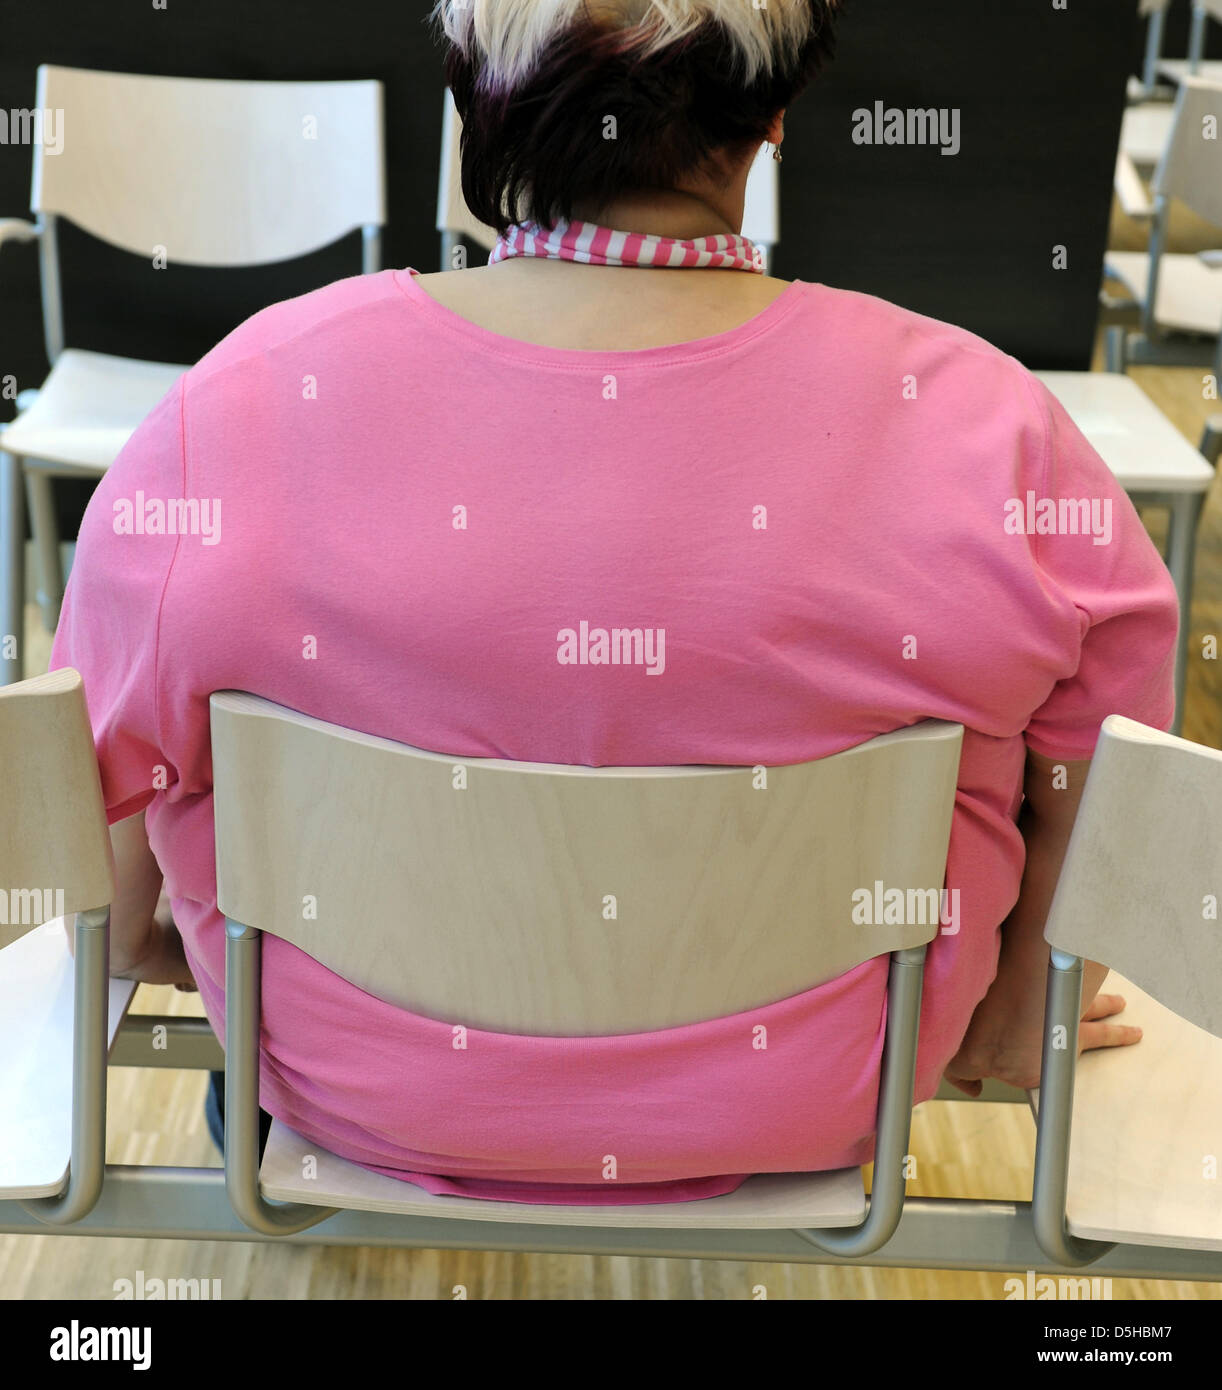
[962,1149]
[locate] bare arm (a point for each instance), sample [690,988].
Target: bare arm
[143,944]
[1005,1037]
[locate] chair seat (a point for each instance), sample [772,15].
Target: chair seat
[1146,1121]
[767,1201]
[1189,291]
[87,410]
[36,976]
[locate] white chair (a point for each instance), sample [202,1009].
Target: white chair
[1178,294]
[1130,1139]
[736,895]
[209,172]
[456,222]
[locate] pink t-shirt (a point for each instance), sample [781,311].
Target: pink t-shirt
[826,509]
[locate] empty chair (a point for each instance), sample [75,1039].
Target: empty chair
[1129,1142]
[1178,294]
[455,221]
[202,172]
[479,907]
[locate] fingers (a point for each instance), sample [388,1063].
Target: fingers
[1104,1005]
[1094,1032]
[1095,1035]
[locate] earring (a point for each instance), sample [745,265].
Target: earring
[776,154]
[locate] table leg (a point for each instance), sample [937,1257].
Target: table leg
[1181,556]
[12,569]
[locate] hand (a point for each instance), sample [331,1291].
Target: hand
[1013,1055]
[162,961]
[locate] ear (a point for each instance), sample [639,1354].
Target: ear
[776,131]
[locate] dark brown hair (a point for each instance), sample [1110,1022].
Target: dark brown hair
[533,152]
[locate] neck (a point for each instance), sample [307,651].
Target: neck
[683,216]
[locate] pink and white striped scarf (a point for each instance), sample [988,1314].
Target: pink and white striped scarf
[594,245]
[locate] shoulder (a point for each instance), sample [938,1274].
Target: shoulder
[313,322]
[942,359]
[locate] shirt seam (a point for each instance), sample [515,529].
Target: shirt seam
[1041,408]
[165,586]
[205,372]
[1045,414]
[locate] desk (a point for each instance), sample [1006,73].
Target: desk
[1154,464]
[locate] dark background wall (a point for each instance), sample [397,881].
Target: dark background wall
[969,239]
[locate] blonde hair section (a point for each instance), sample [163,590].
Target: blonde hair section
[509,36]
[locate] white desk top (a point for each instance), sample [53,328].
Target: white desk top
[1135,439]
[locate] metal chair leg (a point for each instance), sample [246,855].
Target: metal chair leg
[44,524]
[1062,1014]
[243,1016]
[12,569]
[1211,440]
[1117,348]
[896,1080]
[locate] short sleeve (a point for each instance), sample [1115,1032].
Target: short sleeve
[110,623]
[1100,558]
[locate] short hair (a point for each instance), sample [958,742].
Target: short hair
[687,83]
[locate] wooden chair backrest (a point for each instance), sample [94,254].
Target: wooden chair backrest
[54,845]
[219,173]
[1141,880]
[1191,167]
[574,901]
